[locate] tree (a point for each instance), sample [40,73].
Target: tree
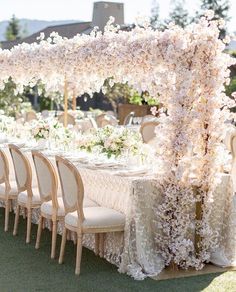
[178,14]
[13,29]
[220,8]
[155,14]
[12,103]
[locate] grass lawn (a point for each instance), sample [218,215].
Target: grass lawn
[25,269]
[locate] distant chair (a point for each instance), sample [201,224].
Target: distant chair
[19,116]
[147,130]
[111,113]
[86,124]
[45,114]
[31,115]
[20,121]
[70,119]
[148,118]
[105,119]
[129,119]
[93,122]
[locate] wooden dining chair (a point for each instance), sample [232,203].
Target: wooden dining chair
[106,119]
[128,120]
[52,207]
[147,130]
[31,115]
[96,220]
[70,119]
[45,114]
[8,193]
[28,197]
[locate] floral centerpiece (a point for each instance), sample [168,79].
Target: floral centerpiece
[40,129]
[51,130]
[7,125]
[112,141]
[118,141]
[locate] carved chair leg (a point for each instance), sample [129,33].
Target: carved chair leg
[17,215]
[39,232]
[63,244]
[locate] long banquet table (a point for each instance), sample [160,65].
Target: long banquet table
[136,251]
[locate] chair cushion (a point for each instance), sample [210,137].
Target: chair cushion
[13,191]
[46,207]
[97,217]
[23,197]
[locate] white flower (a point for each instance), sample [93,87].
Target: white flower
[209,14]
[226,40]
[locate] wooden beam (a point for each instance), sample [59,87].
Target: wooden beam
[65,103]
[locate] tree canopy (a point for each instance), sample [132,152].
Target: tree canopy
[13,29]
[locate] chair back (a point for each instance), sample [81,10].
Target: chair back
[111,113]
[18,116]
[4,169]
[47,178]
[93,122]
[71,185]
[105,119]
[31,115]
[70,119]
[23,172]
[147,130]
[129,119]
[45,114]
[87,124]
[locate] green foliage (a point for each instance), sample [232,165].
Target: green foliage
[232,53]
[13,29]
[178,14]
[47,102]
[12,103]
[124,93]
[155,15]
[220,7]
[229,89]
[135,98]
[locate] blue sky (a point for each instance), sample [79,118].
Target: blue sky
[82,9]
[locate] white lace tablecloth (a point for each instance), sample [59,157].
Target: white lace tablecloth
[135,251]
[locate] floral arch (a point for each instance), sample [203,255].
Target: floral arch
[185,69]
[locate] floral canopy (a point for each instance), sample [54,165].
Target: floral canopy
[185,69]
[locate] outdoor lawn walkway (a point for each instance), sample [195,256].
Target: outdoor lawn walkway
[25,269]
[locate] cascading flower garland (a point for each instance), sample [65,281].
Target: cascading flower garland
[191,141]
[186,69]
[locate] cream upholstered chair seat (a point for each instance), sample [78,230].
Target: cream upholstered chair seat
[47,207]
[97,217]
[23,197]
